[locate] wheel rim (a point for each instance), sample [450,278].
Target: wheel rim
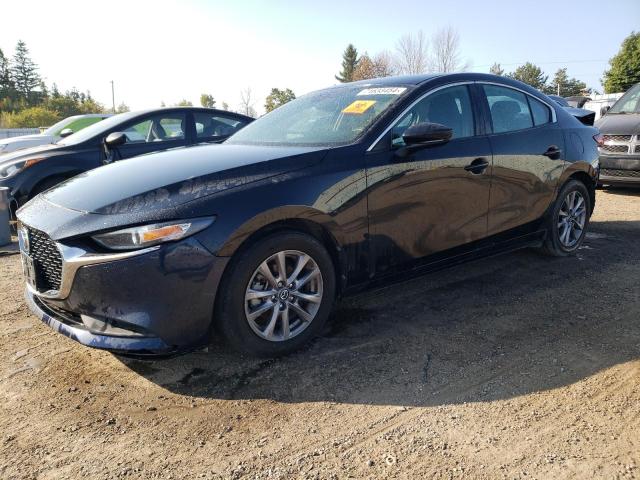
[283,296]
[571,219]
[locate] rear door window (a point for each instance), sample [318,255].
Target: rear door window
[509,109]
[215,125]
[158,128]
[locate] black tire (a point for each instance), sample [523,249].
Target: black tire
[553,245]
[231,318]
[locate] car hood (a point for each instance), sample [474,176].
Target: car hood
[31,152]
[157,186]
[619,124]
[167,179]
[36,137]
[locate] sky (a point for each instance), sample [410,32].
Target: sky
[164,51]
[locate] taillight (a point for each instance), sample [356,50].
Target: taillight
[599,139]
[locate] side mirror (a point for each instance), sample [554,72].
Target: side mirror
[425,134]
[115,139]
[604,109]
[66,132]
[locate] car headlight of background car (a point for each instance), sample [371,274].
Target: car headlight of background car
[9,169]
[153,234]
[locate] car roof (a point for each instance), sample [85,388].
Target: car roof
[137,113]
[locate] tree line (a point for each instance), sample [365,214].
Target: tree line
[26,101]
[416,54]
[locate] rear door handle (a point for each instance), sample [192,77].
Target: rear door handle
[477,166]
[553,152]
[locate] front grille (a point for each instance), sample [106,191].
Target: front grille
[637,149]
[610,172]
[615,148]
[617,138]
[46,260]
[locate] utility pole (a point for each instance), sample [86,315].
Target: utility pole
[113,98]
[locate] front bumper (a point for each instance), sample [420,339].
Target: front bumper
[619,169]
[157,303]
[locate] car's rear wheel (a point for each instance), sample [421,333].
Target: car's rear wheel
[278,295]
[568,220]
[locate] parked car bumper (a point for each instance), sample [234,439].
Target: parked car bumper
[619,169]
[156,303]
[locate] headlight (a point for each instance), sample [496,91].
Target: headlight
[150,235]
[10,169]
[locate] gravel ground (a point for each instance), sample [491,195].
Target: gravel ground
[520,366]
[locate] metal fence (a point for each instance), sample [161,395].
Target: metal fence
[16,132]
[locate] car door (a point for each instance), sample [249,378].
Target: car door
[152,133]
[528,148]
[215,127]
[434,198]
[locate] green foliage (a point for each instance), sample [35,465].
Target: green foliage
[568,86]
[349,63]
[496,69]
[33,117]
[625,66]
[24,72]
[225,106]
[530,74]
[207,100]
[184,103]
[277,98]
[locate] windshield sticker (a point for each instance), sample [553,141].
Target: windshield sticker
[382,91]
[359,107]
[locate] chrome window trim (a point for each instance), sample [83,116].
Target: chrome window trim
[554,117]
[399,117]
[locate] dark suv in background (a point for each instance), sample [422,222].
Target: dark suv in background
[620,152]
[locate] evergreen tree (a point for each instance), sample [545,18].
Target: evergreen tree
[349,64]
[564,86]
[24,72]
[496,69]
[625,66]
[530,74]
[6,85]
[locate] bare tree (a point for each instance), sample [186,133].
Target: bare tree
[412,54]
[446,52]
[380,65]
[246,102]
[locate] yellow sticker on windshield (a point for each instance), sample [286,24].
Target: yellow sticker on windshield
[359,107]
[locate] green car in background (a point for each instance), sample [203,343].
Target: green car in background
[62,129]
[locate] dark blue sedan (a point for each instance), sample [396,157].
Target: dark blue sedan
[334,192]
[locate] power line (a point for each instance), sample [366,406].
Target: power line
[542,63]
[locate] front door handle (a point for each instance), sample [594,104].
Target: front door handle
[553,152]
[477,166]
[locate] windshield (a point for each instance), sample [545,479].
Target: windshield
[328,117]
[57,127]
[629,102]
[95,129]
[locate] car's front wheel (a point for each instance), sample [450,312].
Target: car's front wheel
[278,294]
[567,220]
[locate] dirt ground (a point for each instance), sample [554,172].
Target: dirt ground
[519,366]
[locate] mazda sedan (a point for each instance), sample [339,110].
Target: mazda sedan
[334,192]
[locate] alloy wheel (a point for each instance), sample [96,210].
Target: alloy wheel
[283,295]
[571,219]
